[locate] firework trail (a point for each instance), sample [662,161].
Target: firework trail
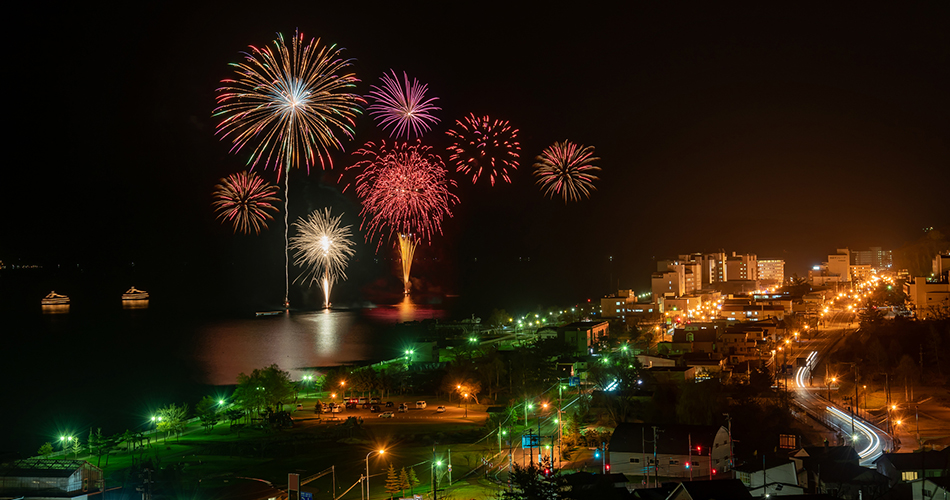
[481,144]
[402,106]
[244,199]
[407,249]
[404,190]
[288,104]
[565,169]
[324,247]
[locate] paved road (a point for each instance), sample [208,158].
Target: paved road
[869,440]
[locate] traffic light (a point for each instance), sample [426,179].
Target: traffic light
[597,453]
[607,466]
[687,465]
[714,472]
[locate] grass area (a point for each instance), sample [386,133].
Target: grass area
[203,461]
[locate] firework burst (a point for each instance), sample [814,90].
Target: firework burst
[404,189]
[289,103]
[244,199]
[484,145]
[324,247]
[402,106]
[565,169]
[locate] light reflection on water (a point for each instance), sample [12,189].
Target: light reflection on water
[299,341]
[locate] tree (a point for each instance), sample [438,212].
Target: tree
[404,481]
[76,446]
[529,484]
[498,318]
[413,480]
[907,370]
[172,419]
[207,410]
[45,450]
[393,485]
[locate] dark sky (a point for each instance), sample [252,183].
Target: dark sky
[783,132]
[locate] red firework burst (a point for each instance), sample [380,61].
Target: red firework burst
[482,144]
[244,199]
[403,189]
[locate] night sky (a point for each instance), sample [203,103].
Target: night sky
[786,133]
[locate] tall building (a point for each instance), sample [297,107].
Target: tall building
[874,257]
[772,271]
[839,264]
[713,268]
[741,267]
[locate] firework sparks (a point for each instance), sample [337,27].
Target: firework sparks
[482,144]
[565,169]
[407,248]
[244,199]
[402,106]
[288,103]
[324,247]
[403,189]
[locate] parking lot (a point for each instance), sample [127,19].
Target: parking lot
[453,413]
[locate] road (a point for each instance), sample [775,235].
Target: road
[869,440]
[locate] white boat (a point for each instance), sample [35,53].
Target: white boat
[135,294]
[54,298]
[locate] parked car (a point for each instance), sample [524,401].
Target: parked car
[420,405]
[375,409]
[440,409]
[388,414]
[389,404]
[363,401]
[335,409]
[403,408]
[299,406]
[374,401]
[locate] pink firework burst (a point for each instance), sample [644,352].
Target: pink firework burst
[404,190]
[565,169]
[402,106]
[244,199]
[484,145]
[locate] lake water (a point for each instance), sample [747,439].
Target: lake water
[111,367]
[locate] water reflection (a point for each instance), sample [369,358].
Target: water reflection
[293,341]
[55,308]
[298,342]
[135,304]
[405,311]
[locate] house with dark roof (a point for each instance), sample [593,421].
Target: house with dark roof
[907,467]
[588,486]
[725,489]
[849,481]
[680,451]
[42,478]
[931,488]
[812,461]
[771,475]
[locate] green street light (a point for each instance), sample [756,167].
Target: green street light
[220,401]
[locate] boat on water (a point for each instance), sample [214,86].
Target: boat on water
[135,294]
[54,298]
[268,313]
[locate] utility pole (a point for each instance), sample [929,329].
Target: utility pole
[689,463]
[450,466]
[656,464]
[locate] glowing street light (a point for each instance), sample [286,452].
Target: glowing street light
[380,451]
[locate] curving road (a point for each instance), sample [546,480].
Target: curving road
[869,440]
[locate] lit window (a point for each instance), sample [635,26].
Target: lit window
[909,475]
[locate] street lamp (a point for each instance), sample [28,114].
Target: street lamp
[343,385]
[380,451]
[466,405]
